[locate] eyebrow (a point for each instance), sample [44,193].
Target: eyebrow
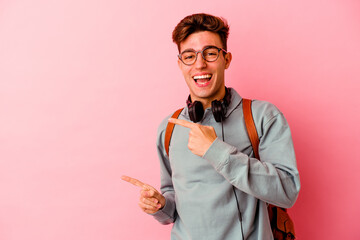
[193,50]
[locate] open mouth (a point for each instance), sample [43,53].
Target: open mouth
[202,80]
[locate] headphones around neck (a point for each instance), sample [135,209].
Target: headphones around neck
[218,108]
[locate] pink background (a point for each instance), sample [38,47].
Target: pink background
[84,85]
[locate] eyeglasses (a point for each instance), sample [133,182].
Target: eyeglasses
[209,54]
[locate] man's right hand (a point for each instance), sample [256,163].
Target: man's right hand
[150,199]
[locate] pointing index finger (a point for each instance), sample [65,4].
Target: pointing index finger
[133,181]
[182,122]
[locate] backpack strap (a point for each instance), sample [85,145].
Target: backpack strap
[169,130]
[250,126]
[279,218]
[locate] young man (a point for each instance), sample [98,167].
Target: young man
[212,186]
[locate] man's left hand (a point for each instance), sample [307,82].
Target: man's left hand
[200,137]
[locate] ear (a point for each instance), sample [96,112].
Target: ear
[180,64]
[228,58]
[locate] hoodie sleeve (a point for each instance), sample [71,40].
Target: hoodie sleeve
[167,214]
[274,179]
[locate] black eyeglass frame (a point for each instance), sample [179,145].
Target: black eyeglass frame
[202,54]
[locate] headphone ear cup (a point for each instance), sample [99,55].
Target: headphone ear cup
[196,111]
[217,110]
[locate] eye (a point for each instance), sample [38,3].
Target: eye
[188,57]
[211,53]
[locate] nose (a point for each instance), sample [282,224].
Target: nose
[200,61]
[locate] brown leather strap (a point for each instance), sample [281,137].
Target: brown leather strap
[250,126]
[169,130]
[279,218]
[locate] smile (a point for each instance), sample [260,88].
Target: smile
[202,80]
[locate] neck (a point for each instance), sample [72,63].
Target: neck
[206,102]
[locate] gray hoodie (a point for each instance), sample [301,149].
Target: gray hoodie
[200,199]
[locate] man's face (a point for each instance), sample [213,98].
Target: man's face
[205,79]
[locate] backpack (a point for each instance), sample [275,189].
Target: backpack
[281,224]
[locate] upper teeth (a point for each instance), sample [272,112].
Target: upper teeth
[202,76]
